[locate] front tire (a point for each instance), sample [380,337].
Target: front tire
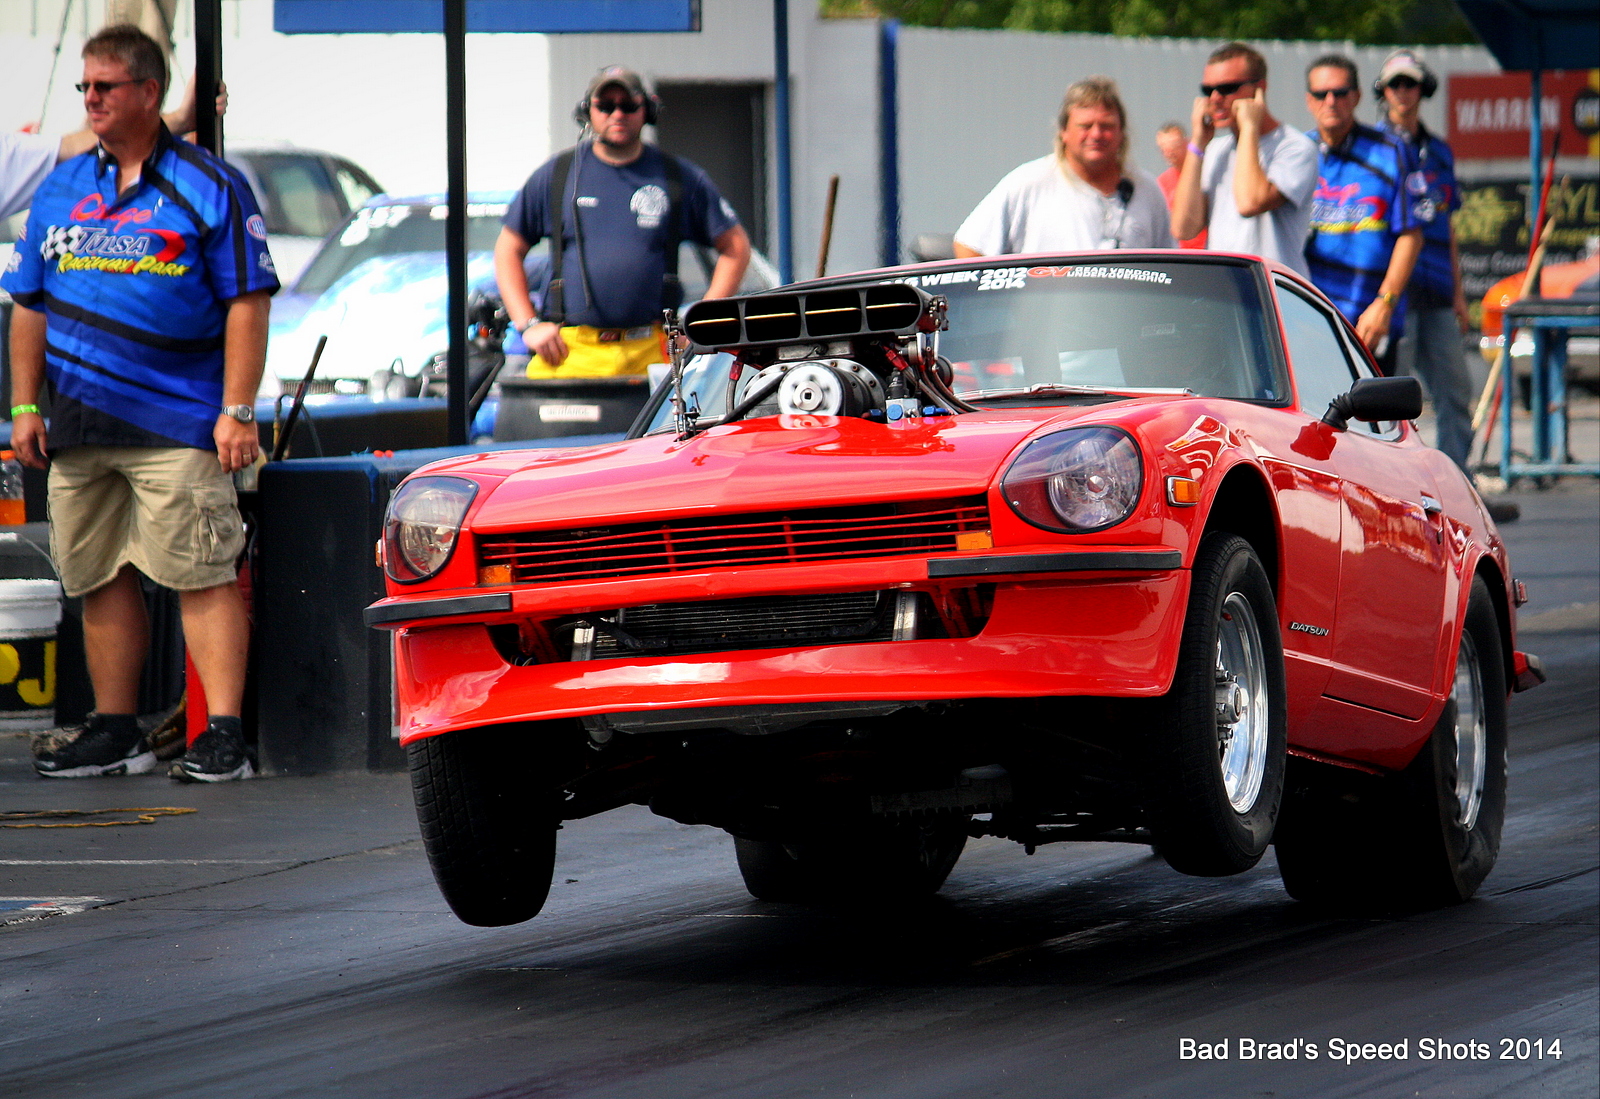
[490,840]
[1217,751]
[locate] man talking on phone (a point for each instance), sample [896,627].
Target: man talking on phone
[1250,187]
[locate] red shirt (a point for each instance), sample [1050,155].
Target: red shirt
[1169,184]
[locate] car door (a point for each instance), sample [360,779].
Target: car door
[1389,614]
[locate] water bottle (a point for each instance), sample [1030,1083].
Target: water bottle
[12,510]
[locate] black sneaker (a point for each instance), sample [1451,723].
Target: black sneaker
[217,755]
[98,747]
[1503,511]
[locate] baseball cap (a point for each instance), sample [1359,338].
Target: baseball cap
[616,74]
[1401,63]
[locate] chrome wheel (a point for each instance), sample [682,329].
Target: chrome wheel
[1243,729]
[1472,737]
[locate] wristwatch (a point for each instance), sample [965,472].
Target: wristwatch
[523,331]
[244,413]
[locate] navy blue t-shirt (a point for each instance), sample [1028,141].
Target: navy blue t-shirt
[620,214]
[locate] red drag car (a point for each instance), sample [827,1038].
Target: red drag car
[1130,546]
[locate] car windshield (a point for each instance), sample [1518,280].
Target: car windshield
[1042,335]
[394,230]
[1124,324]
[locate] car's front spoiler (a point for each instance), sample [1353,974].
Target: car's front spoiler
[1052,636]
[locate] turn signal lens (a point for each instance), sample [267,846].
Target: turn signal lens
[1081,480]
[422,524]
[1183,492]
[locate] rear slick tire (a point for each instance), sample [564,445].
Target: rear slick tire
[1217,750]
[1425,837]
[490,843]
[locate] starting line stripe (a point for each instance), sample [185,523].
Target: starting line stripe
[147,862]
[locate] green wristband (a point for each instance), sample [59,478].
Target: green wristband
[19,409]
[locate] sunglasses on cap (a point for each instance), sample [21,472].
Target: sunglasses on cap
[1337,93]
[608,106]
[1224,89]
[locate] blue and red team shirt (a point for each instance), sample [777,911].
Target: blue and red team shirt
[1435,196]
[133,288]
[1361,206]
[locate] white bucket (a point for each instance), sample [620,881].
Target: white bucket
[30,610]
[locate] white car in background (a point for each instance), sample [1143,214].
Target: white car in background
[304,195]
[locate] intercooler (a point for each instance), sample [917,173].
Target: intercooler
[767,622]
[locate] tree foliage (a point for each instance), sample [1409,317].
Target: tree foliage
[1366,22]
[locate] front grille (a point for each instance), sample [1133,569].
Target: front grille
[768,622]
[766,538]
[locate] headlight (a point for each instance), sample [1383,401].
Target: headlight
[420,529]
[1080,480]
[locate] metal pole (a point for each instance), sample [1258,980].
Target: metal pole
[780,50]
[455,227]
[889,142]
[207,74]
[1536,147]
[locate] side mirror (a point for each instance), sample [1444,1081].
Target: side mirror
[1374,400]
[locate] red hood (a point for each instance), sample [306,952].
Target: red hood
[758,465]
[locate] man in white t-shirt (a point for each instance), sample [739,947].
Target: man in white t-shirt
[1251,189]
[25,159]
[1080,199]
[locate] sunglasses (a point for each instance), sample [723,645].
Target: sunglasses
[1337,93]
[608,106]
[103,87]
[1404,82]
[1224,89]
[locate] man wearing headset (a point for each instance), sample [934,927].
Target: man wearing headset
[1082,198]
[615,210]
[1436,307]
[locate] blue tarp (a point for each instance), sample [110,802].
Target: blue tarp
[483,16]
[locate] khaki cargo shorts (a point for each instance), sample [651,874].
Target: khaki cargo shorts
[169,511]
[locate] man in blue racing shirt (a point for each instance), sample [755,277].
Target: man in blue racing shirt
[1436,307]
[142,285]
[1365,237]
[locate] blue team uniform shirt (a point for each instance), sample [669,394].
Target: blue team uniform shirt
[133,286]
[1435,196]
[1361,206]
[621,211]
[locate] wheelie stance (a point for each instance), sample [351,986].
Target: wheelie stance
[1128,547]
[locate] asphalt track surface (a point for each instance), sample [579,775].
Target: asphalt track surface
[286,940]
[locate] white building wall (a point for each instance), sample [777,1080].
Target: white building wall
[973,104]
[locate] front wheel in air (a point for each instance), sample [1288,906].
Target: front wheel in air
[489,833]
[1216,752]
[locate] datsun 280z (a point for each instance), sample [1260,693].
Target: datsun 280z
[1131,546]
